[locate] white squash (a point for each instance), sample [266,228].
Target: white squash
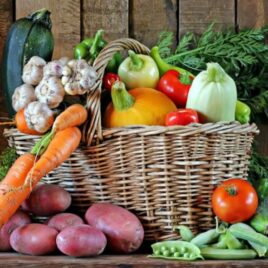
[213,95]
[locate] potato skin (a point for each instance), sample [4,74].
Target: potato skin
[81,241]
[34,239]
[47,200]
[63,220]
[20,218]
[122,228]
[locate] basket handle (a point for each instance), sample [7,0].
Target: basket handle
[93,126]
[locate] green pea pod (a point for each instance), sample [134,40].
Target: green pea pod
[244,231]
[232,242]
[242,112]
[176,250]
[261,250]
[228,254]
[221,242]
[205,238]
[185,232]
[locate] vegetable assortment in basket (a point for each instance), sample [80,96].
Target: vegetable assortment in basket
[128,156]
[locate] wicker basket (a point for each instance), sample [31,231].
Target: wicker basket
[165,175]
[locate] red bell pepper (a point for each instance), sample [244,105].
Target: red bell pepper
[182,117]
[109,79]
[176,86]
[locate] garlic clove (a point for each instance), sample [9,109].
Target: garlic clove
[66,71]
[22,96]
[64,60]
[65,80]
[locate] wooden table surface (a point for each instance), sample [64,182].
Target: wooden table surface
[15,260]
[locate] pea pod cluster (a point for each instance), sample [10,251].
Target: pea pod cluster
[237,242]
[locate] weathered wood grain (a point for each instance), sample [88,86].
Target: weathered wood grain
[6,19]
[65,15]
[252,13]
[196,15]
[111,16]
[149,18]
[13,260]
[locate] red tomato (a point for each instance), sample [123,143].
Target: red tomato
[109,79]
[235,200]
[175,86]
[181,117]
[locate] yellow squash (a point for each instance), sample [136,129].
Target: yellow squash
[139,106]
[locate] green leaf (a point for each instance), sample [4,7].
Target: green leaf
[7,158]
[165,40]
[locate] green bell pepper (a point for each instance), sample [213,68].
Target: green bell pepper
[242,112]
[90,48]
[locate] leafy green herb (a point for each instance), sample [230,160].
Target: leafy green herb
[7,158]
[243,55]
[258,169]
[164,43]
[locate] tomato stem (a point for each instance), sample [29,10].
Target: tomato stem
[231,190]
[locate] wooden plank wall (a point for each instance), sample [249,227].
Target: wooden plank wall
[140,19]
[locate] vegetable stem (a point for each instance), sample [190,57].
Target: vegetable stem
[215,72]
[41,146]
[122,100]
[231,190]
[178,56]
[136,62]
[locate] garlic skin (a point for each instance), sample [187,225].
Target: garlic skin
[55,68]
[22,96]
[50,91]
[33,71]
[38,116]
[78,77]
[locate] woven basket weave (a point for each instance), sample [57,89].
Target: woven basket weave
[165,175]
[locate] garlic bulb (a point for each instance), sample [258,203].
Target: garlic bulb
[33,71]
[78,77]
[50,91]
[54,68]
[38,116]
[22,96]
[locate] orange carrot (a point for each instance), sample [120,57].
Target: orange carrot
[16,190]
[74,115]
[58,150]
[12,194]
[22,125]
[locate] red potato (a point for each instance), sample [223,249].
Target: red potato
[20,218]
[34,239]
[63,220]
[81,241]
[122,228]
[47,200]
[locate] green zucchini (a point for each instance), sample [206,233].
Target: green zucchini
[27,37]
